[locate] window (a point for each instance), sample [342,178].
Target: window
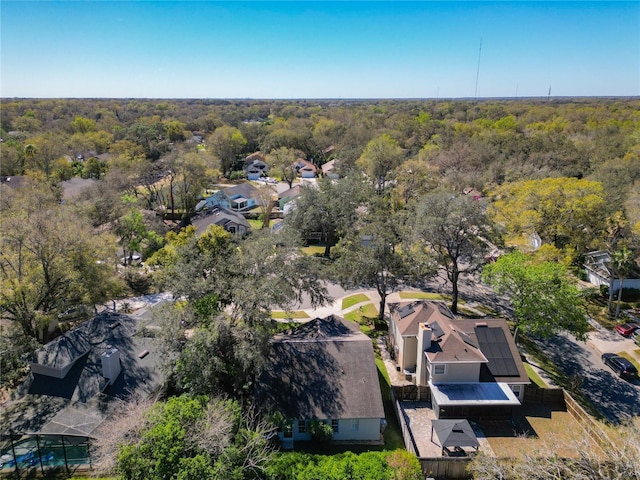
[302,426]
[355,424]
[334,425]
[516,389]
[438,369]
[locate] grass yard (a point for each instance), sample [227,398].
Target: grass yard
[354,299]
[365,316]
[392,434]
[534,377]
[539,431]
[312,250]
[291,315]
[425,296]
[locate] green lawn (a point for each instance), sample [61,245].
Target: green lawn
[257,224]
[312,250]
[353,299]
[393,433]
[297,314]
[425,296]
[363,315]
[534,377]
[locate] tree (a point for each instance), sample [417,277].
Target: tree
[330,210]
[226,143]
[175,131]
[134,234]
[197,267]
[282,161]
[270,272]
[568,212]
[414,178]
[185,437]
[229,290]
[266,197]
[457,231]
[545,300]
[373,255]
[620,461]
[42,153]
[378,160]
[50,260]
[623,261]
[186,179]
[221,355]
[83,125]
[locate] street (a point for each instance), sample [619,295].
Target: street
[616,399]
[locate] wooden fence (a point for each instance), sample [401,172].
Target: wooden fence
[595,432]
[446,467]
[547,396]
[453,468]
[412,393]
[456,468]
[407,435]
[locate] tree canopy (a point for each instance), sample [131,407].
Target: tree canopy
[456,230]
[545,299]
[566,212]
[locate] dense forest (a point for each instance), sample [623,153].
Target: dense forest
[432,186]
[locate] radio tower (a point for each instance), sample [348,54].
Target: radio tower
[478,70]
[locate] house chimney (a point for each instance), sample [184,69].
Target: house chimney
[111,364]
[424,343]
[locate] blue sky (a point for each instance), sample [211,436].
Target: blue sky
[180,49]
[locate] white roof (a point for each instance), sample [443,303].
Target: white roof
[473,393]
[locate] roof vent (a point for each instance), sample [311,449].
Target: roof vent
[481,324]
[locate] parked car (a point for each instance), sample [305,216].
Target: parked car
[623,367]
[135,259]
[626,329]
[74,313]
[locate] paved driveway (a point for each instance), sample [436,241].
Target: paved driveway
[616,399]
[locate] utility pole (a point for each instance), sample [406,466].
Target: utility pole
[478,70]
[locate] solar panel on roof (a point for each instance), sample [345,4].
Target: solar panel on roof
[406,310]
[436,329]
[445,311]
[495,347]
[468,340]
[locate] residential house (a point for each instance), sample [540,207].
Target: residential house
[72,188]
[15,181]
[255,167]
[324,370]
[473,193]
[239,198]
[232,222]
[305,168]
[288,195]
[470,366]
[329,170]
[598,268]
[75,377]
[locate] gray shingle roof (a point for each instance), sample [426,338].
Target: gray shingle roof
[324,369]
[83,347]
[221,217]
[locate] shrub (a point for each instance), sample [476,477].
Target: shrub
[236,175]
[320,431]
